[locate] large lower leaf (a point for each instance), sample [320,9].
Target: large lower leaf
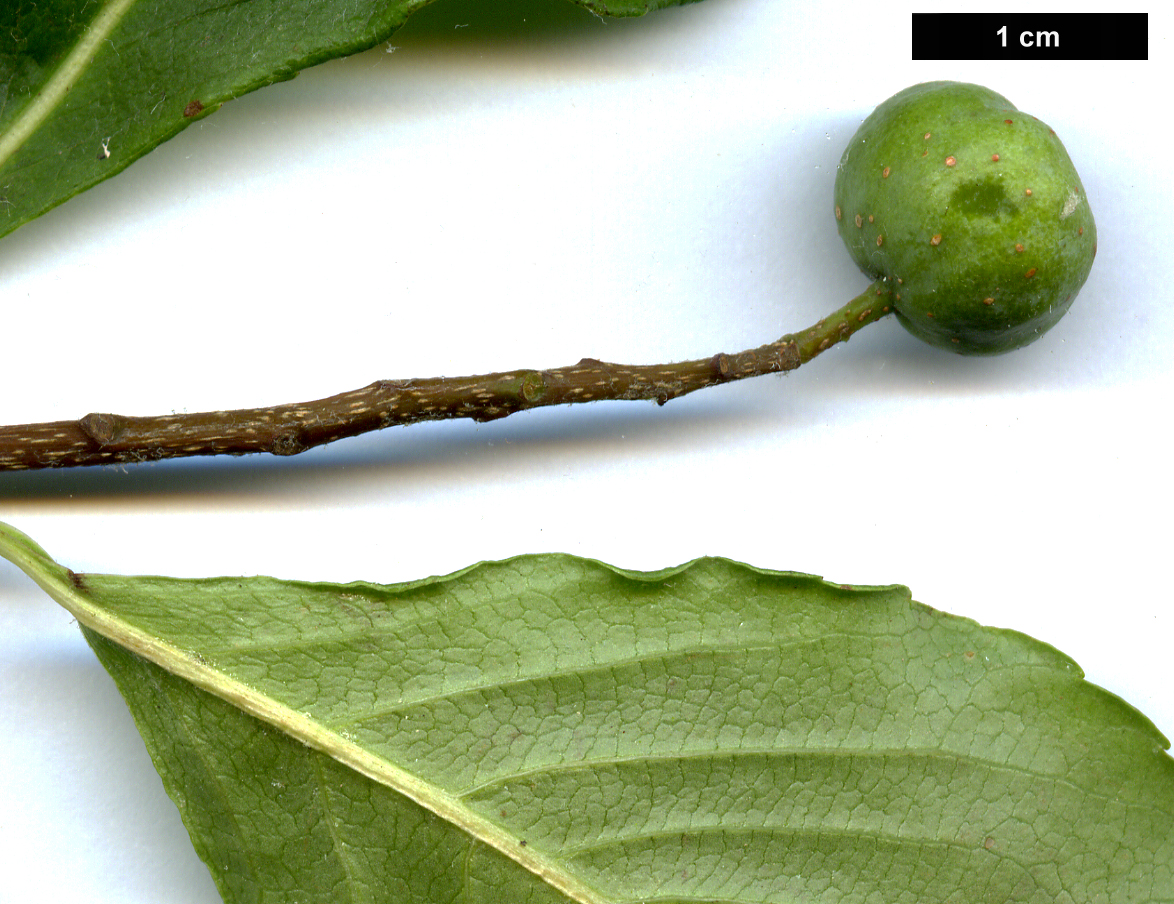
[553,729]
[89,86]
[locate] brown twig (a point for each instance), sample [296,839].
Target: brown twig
[99,439]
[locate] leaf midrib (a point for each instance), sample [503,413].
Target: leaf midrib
[46,100]
[55,580]
[217,785]
[337,729]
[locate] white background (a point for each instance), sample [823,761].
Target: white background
[483,195]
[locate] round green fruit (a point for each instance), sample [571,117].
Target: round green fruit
[971,210]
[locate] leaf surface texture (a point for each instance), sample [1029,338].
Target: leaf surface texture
[89,86]
[552,729]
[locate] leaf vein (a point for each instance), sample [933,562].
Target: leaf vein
[59,84]
[577,670]
[813,752]
[328,816]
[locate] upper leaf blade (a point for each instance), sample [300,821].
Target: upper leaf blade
[87,88]
[138,73]
[556,729]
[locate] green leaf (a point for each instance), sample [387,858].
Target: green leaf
[88,87]
[553,729]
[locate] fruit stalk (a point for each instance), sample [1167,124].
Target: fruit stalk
[100,438]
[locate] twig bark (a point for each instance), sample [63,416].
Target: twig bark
[99,439]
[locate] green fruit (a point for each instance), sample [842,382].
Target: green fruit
[972,210]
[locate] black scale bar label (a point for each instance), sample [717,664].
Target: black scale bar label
[1030,36]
